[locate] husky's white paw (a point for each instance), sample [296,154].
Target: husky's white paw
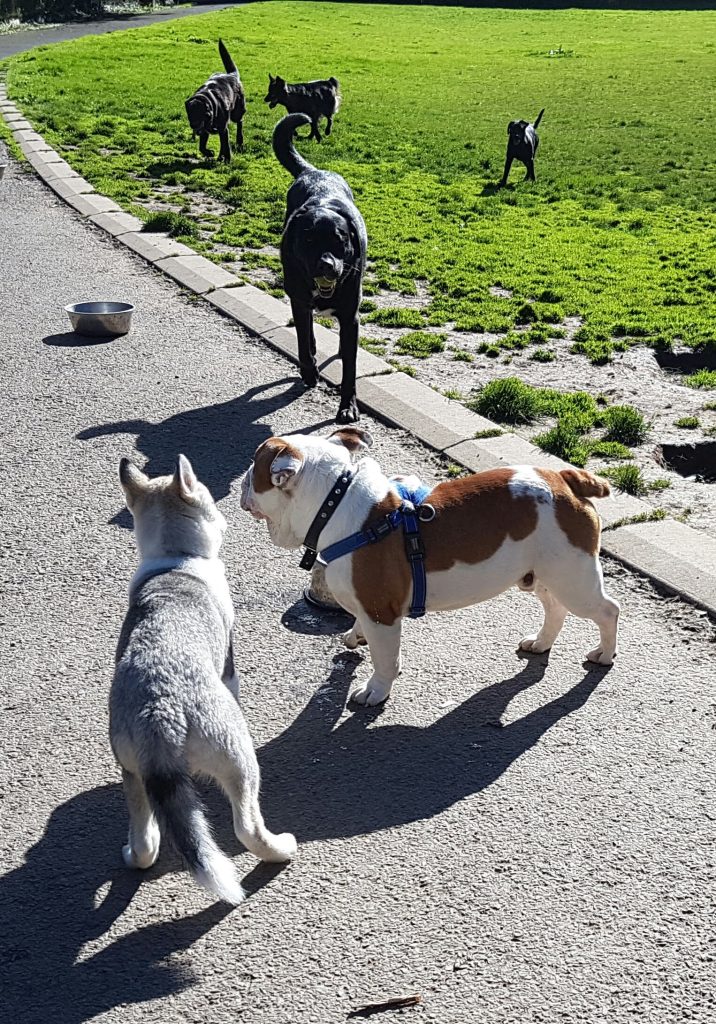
[530,643]
[353,639]
[374,692]
[601,657]
[283,848]
[142,860]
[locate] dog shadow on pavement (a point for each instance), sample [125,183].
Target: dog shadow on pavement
[219,440]
[316,770]
[68,893]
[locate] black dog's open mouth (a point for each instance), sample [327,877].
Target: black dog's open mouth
[325,287]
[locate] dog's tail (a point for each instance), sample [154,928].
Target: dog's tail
[226,60]
[539,118]
[176,804]
[283,147]
[585,484]
[336,85]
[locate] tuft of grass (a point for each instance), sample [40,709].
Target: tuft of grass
[654,516]
[660,484]
[701,379]
[710,407]
[373,345]
[687,423]
[625,424]
[420,344]
[565,441]
[542,355]
[627,478]
[508,401]
[453,394]
[395,316]
[461,355]
[454,471]
[403,368]
[490,432]
[609,450]
[177,225]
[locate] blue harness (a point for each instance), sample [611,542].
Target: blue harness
[408,515]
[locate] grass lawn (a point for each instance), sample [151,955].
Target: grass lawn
[619,228]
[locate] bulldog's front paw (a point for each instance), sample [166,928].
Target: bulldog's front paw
[374,692]
[600,656]
[353,639]
[532,643]
[348,413]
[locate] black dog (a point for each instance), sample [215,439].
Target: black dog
[323,252]
[522,143]
[214,104]
[317,99]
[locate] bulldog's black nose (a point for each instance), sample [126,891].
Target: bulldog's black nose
[329,267]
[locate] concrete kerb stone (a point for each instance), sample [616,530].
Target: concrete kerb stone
[671,553]
[117,223]
[154,246]
[677,556]
[196,273]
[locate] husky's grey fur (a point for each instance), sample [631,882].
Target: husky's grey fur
[174,710]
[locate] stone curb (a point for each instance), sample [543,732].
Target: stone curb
[674,555]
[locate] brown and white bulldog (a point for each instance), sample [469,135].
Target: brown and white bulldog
[517,526]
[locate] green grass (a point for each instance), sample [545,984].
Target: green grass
[654,516]
[174,224]
[710,406]
[625,425]
[460,355]
[687,422]
[490,432]
[628,478]
[701,379]
[542,355]
[420,344]
[619,227]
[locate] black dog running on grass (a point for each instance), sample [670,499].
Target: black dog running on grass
[317,99]
[323,252]
[214,104]
[522,143]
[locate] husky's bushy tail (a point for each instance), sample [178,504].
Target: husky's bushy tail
[178,809]
[284,148]
[539,118]
[226,60]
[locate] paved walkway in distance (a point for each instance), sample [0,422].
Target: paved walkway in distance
[18,42]
[519,839]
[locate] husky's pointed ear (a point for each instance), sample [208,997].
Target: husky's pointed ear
[355,439]
[271,78]
[510,126]
[185,481]
[133,480]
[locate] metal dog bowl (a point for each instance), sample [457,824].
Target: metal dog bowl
[100,319]
[2,170]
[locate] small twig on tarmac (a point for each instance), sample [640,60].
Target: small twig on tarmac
[390,1004]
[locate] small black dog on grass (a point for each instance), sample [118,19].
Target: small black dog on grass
[214,104]
[317,99]
[522,143]
[323,252]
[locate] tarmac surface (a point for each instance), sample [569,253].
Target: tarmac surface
[515,838]
[25,39]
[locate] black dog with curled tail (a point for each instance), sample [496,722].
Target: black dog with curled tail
[522,143]
[323,253]
[220,100]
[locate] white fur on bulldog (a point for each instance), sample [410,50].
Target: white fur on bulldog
[291,477]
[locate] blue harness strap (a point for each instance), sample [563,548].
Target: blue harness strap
[407,516]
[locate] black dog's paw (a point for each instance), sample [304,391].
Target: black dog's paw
[348,414]
[309,376]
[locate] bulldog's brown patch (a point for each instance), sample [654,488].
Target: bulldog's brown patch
[576,517]
[381,574]
[264,458]
[355,439]
[474,515]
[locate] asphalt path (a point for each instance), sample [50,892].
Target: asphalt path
[515,838]
[25,39]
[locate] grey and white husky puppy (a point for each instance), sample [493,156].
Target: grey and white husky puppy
[174,710]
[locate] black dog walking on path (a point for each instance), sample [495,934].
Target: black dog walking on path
[323,252]
[522,143]
[219,100]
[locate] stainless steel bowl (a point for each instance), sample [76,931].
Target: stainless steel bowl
[100,319]
[2,170]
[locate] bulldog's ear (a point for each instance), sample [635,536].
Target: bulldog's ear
[285,467]
[355,439]
[185,482]
[133,481]
[271,78]
[510,126]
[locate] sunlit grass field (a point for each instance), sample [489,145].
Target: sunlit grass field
[619,227]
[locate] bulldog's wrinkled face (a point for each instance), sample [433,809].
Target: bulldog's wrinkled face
[286,482]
